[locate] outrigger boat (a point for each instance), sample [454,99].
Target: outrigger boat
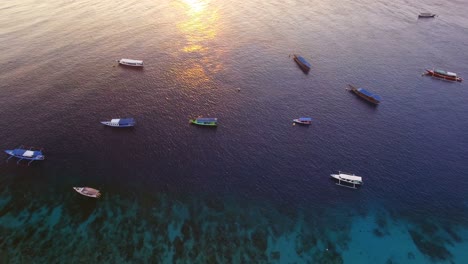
[124,122]
[130,62]
[303,64]
[204,121]
[303,120]
[348,179]
[426,15]
[441,74]
[88,191]
[22,153]
[366,95]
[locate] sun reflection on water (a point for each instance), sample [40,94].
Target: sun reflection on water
[199,27]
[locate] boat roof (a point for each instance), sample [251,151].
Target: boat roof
[305,119]
[303,61]
[207,119]
[446,73]
[350,177]
[365,92]
[122,120]
[132,61]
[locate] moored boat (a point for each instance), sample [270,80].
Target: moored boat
[88,191]
[130,62]
[25,154]
[303,120]
[120,122]
[303,64]
[366,95]
[426,15]
[441,74]
[350,180]
[203,121]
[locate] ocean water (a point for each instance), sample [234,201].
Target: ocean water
[256,189]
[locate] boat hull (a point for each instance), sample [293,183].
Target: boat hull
[192,121]
[444,77]
[305,123]
[136,64]
[88,192]
[107,123]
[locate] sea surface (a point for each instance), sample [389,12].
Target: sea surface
[256,189]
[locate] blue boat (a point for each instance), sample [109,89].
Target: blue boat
[25,154]
[303,120]
[303,64]
[120,122]
[366,95]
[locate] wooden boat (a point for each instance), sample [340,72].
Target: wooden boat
[120,122]
[204,121]
[88,191]
[449,76]
[350,180]
[303,64]
[303,120]
[130,62]
[22,153]
[426,15]
[366,95]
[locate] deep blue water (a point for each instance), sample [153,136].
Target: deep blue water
[256,189]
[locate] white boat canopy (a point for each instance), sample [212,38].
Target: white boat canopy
[350,177]
[115,121]
[28,153]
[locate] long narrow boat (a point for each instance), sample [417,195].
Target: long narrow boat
[303,64]
[130,62]
[25,154]
[426,15]
[441,74]
[303,120]
[88,191]
[204,121]
[120,122]
[348,179]
[366,95]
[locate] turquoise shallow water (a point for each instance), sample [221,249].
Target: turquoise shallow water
[256,189]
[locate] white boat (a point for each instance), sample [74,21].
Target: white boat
[129,62]
[347,178]
[88,191]
[120,122]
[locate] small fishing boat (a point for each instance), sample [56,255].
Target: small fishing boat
[22,153]
[350,180]
[120,122]
[205,121]
[303,64]
[88,191]
[303,120]
[426,15]
[130,62]
[449,76]
[366,95]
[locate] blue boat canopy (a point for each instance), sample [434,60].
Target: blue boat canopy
[26,153]
[305,119]
[367,93]
[207,119]
[126,121]
[303,61]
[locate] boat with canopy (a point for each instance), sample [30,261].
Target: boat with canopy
[23,153]
[349,180]
[130,62]
[120,122]
[205,121]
